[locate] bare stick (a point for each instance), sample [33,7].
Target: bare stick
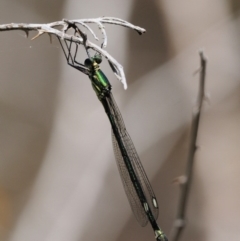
[185,180]
[60,29]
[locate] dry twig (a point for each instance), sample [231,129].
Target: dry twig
[185,180]
[65,25]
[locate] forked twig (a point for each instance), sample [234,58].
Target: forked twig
[186,180]
[60,30]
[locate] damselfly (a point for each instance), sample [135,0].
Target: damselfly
[135,181]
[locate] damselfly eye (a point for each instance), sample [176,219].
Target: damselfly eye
[98,58]
[88,62]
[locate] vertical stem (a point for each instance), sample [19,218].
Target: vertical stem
[179,223]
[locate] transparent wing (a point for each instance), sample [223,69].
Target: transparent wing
[135,203]
[128,186]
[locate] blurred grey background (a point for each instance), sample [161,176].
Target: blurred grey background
[58,177]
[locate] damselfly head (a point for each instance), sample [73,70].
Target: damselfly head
[97,59]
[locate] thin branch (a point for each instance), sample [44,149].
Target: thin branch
[186,180]
[65,25]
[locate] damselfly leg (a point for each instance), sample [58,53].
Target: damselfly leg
[71,60]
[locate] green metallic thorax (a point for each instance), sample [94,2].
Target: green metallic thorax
[100,82]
